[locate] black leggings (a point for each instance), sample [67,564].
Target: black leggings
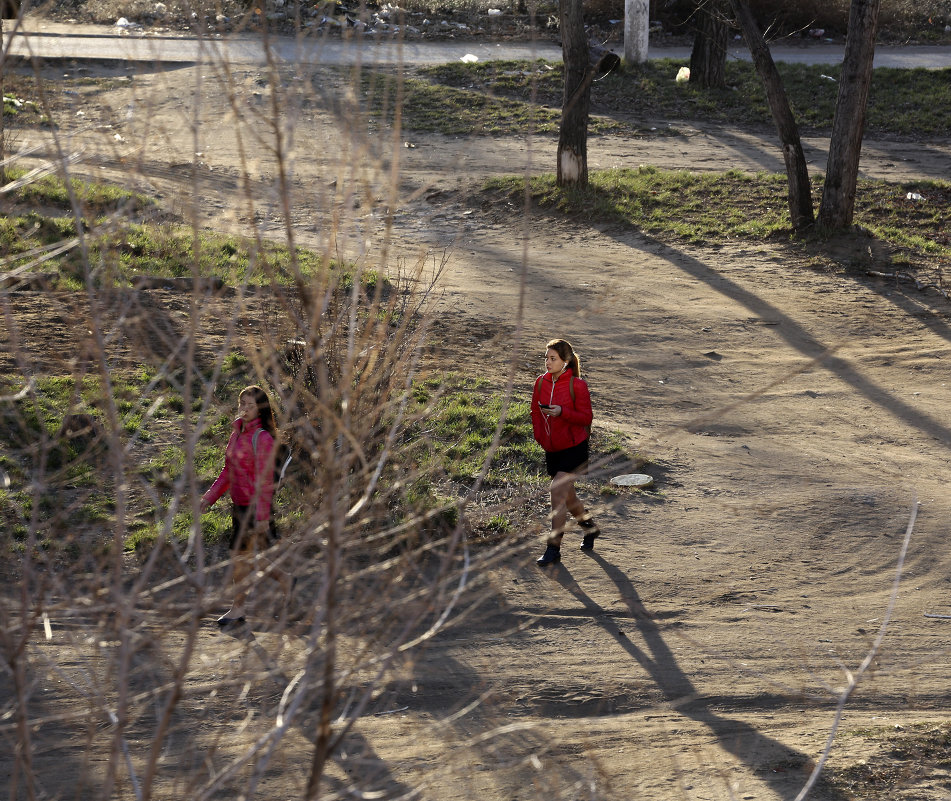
[242,522]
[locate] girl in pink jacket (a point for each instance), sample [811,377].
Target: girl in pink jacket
[248,475]
[561,422]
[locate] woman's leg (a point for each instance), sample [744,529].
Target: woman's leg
[563,497]
[240,519]
[244,561]
[574,504]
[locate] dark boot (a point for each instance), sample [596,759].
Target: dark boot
[591,531]
[552,554]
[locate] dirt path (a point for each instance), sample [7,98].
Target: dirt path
[794,418]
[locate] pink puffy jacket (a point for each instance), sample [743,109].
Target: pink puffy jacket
[571,426]
[248,478]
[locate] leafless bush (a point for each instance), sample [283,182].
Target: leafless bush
[116,682]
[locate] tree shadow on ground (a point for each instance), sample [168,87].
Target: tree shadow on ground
[737,737]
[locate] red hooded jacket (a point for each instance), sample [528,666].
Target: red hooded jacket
[571,427]
[246,476]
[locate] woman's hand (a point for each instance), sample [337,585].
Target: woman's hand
[552,411]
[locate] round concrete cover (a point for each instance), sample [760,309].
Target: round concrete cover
[638,480]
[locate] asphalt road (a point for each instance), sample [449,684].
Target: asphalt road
[46,39]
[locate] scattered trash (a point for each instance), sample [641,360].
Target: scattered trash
[409,145]
[683,75]
[495,12]
[123,23]
[468,58]
[828,78]
[913,196]
[118,138]
[160,8]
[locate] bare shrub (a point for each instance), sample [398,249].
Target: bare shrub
[117,396]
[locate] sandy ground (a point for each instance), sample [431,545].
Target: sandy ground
[795,419]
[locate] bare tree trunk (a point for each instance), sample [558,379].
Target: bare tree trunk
[708,56]
[636,30]
[573,134]
[800,197]
[845,147]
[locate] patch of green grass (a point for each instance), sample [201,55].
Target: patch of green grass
[905,102]
[135,248]
[76,494]
[500,524]
[709,208]
[458,418]
[93,199]
[433,107]
[922,226]
[14,106]
[215,528]
[174,251]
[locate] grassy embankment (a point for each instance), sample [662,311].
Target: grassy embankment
[515,98]
[444,454]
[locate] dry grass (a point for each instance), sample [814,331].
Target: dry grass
[115,408]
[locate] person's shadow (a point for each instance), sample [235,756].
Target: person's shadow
[739,738]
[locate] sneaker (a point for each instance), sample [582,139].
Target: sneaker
[552,554]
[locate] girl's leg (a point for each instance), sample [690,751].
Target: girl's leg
[242,569]
[574,504]
[588,526]
[244,561]
[562,491]
[240,519]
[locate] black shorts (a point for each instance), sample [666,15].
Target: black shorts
[570,460]
[242,521]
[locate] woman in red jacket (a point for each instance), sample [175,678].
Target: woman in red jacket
[561,421]
[249,476]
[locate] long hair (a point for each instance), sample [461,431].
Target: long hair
[265,413]
[567,354]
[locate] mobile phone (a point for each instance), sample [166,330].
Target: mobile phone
[544,405]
